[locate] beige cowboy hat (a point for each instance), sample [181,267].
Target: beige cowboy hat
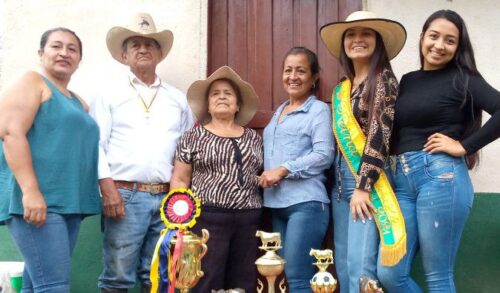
[142,25]
[197,98]
[392,32]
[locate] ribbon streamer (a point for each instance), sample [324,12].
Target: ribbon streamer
[175,258]
[158,274]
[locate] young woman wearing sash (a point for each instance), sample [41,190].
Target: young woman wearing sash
[437,134]
[363,111]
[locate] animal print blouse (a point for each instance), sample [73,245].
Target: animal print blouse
[378,130]
[225,170]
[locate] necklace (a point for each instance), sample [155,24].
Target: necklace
[145,106]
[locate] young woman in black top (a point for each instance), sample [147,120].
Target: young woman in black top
[437,134]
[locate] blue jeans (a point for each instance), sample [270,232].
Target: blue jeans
[302,227]
[356,243]
[435,195]
[129,243]
[46,251]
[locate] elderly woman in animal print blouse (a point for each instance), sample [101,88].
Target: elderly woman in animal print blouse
[220,160]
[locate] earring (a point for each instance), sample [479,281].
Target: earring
[314,85]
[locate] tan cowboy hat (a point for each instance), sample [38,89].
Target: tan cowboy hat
[392,32]
[142,25]
[197,99]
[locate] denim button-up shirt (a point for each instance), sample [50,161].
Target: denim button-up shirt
[302,143]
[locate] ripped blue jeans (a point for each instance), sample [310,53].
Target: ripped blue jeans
[435,194]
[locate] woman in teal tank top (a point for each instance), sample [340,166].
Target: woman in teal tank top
[48,163]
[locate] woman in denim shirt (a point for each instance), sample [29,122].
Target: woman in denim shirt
[298,148]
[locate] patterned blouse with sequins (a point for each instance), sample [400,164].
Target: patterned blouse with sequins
[377,128]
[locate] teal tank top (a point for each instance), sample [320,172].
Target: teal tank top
[64,148]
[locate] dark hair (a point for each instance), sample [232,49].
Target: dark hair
[46,35]
[124,44]
[465,62]
[313,64]
[378,62]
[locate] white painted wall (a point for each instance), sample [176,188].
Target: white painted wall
[22,22]
[483,21]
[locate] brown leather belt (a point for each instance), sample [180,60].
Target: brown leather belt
[144,187]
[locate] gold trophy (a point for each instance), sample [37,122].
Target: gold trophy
[323,281]
[178,252]
[188,269]
[270,265]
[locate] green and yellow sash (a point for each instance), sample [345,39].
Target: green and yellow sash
[351,142]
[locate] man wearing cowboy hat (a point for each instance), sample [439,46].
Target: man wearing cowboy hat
[141,118]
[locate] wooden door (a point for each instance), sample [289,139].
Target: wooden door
[252,36]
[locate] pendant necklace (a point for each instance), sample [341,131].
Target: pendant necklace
[146,107]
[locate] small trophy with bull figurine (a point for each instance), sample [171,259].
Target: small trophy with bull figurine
[323,281]
[270,265]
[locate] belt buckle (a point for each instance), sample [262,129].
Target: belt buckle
[152,188]
[155,188]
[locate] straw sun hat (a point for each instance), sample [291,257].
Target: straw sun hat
[392,32]
[141,25]
[198,102]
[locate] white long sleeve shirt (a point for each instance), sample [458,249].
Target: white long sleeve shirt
[135,145]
